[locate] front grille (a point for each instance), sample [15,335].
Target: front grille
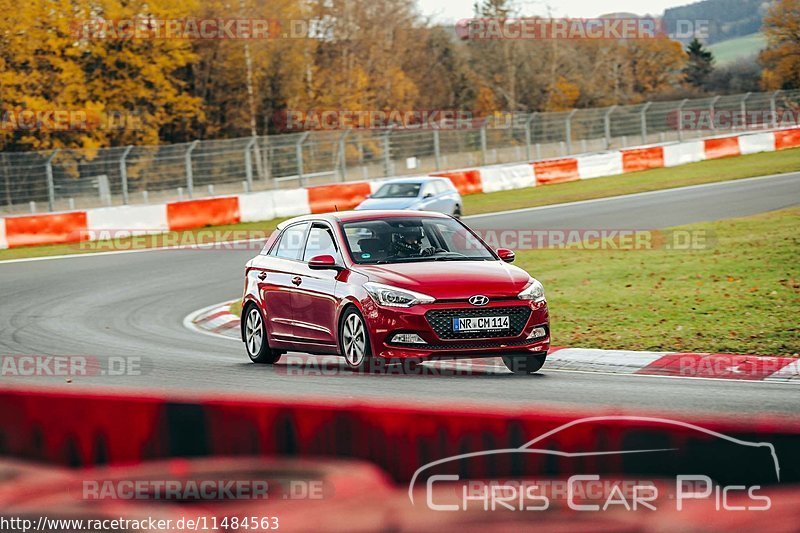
[441,320]
[474,345]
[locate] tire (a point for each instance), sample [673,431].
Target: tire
[354,341]
[525,364]
[255,337]
[457,211]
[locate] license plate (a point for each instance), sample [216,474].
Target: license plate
[480,323]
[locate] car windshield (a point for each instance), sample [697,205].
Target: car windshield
[403,240]
[398,190]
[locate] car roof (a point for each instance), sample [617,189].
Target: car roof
[352,216]
[411,179]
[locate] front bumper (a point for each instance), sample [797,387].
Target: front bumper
[430,323]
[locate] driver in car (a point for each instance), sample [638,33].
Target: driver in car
[407,242]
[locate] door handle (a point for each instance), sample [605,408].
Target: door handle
[297,280]
[262,275]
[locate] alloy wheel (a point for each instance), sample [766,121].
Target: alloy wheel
[355,340]
[254,332]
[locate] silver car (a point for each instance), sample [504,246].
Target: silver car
[418,194]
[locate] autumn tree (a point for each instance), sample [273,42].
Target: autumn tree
[781,58]
[48,62]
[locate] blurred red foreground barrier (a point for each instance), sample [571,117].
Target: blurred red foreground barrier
[357,497]
[78,429]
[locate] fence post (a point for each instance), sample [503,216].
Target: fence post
[711,111]
[51,188]
[343,156]
[607,125]
[387,154]
[483,143]
[123,174]
[680,118]
[298,151]
[773,108]
[437,154]
[528,135]
[643,120]
[568,130]
[248,163]
[744,109]
[188,164]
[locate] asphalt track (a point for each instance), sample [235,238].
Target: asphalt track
[133,305]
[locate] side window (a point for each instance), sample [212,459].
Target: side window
[320,242]
[291,243]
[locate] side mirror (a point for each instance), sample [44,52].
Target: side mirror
[323,262]
[506,255]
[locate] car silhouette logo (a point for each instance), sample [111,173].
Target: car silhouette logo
[479,299]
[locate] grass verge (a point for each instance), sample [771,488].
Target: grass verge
[649,180]
[744,166]
[740,296]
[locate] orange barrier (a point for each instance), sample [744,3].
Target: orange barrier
[86,428]
[724,147]
[556,171]
[642,158]
[58,228]
[466,181]
[787,139]
[341,196]
[200,213]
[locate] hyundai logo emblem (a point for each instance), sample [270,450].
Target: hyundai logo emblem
[479,299]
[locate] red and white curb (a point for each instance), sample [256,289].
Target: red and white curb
[217,320]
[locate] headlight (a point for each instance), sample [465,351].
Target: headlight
[534,291]
[394,297]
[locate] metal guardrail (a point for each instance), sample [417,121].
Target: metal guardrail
[69,179]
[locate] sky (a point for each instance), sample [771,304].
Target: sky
[448,11]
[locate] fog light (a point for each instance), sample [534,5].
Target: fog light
[407,338]
[537,332]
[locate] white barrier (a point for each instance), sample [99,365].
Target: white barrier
[597,165]
[257,206]
[683,153]
[757,142]
[504,178]
[291,203]
[139,219]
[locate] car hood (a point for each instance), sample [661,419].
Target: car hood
[387,203]
[451,280]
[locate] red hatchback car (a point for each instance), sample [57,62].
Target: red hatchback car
[391,285]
